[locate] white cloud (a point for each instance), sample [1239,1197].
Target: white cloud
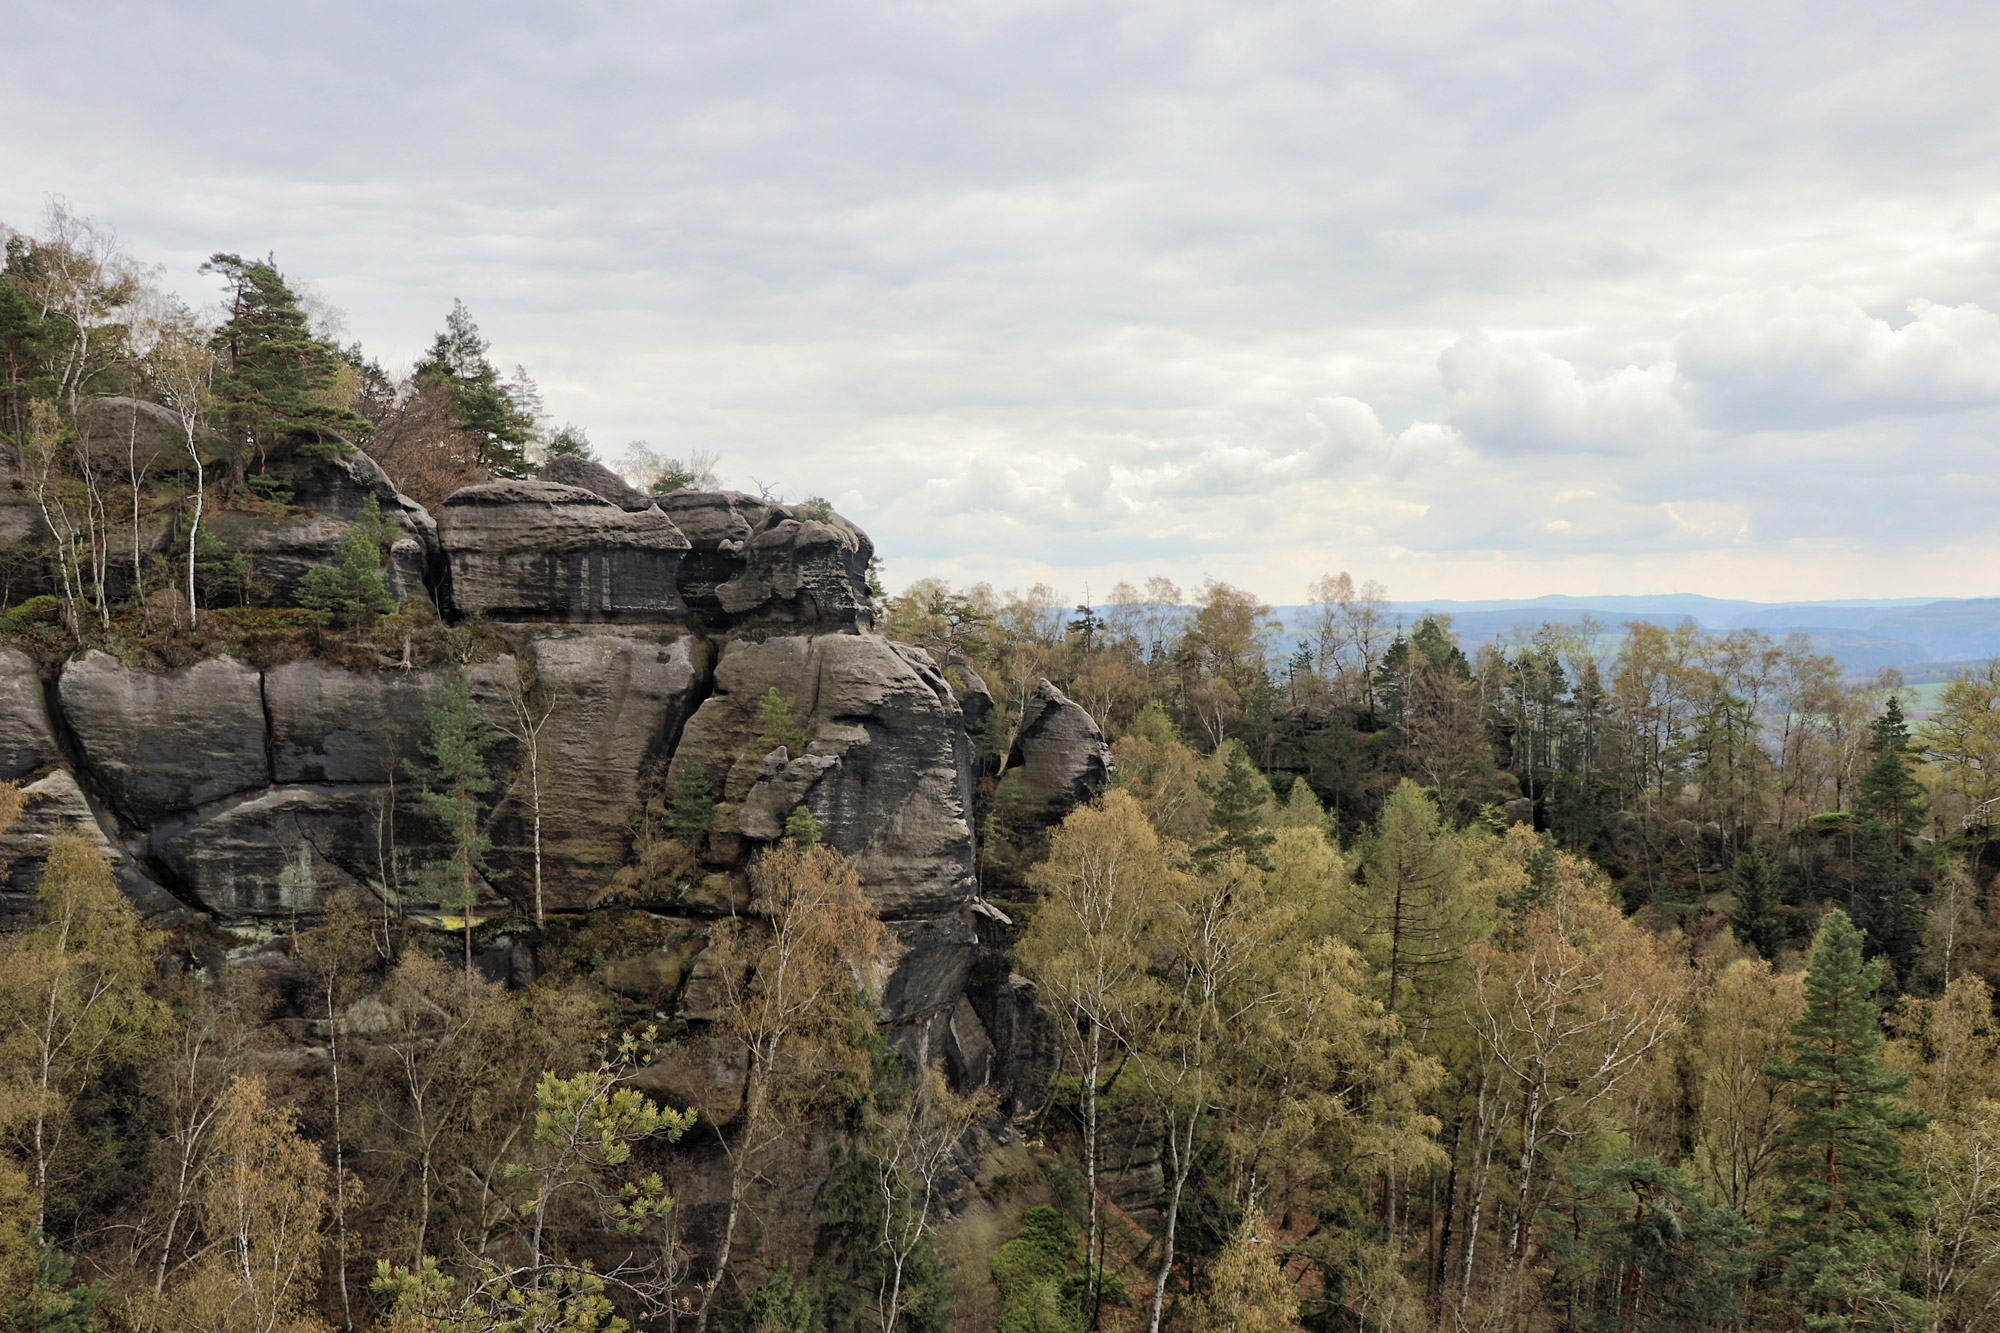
[1509,397]
[1169,289]
[1806,357]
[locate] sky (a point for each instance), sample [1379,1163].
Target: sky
[1477,300]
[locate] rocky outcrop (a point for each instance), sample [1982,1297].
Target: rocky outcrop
[535,550]
[56,804]
[757,563]
[589,475]
[615,704]
[1059,759]
[27,741]
[120,435]
[886,770]
[324,496]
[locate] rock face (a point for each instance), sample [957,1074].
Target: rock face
[158,744]
[120,433]
[27,741]
[589,475]
[535,550]
[886,771]
[617,703]
[756,563]
[1059,756]
[327,493]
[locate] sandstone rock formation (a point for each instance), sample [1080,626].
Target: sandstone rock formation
[887,771]
[758,563]
[536,550]
[1059,758]
[590,475]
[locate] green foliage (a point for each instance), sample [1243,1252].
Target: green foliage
[501,427]
[352,587]
[802,828]
[1238,798]
[690,803]
[1750,918]
[55,1301]
[277,381]
[1641,1250]
[1889,790]
[222,574]
[784,1304]
[1850,1198]
[1040,1289]
[778,724]
[817,508]
[1155,724]
[455,780]
[569,442]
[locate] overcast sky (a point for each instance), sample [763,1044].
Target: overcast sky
[1478,300]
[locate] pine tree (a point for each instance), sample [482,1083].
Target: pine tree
[801,828]
[278,382]
[1236,815]
[501,427]
[778,724]
[352,586]
[455,778]
[1841,1233]
[1889,790]
[1751,917]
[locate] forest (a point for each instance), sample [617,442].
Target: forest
[1626,978]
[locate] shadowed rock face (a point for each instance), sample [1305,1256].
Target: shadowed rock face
[1059,756]
[535,550]
[886,772]
[617,702]
[756,563]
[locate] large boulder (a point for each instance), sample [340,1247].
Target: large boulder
[535,550]
[886,771]
[617,702]
[1059,759]
[758,563]
[590,475]
[154,744]
[118,434]
[27,741]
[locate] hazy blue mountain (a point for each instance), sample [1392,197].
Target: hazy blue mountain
[1863,634]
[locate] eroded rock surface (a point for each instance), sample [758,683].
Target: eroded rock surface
[617,702]
[154,744]
[1059,757]
[886,771]
[536,550]
[590,475]
[755,562]
[27,741]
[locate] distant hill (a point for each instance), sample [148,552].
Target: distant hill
[1863,635]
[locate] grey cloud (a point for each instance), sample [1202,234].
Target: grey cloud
[1176,276]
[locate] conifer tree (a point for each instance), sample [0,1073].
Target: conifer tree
[1236,810]
[1751,917]
[277,380]
[501,427]
[352,586]
[1850,1199]
[1889,790]
[455,779]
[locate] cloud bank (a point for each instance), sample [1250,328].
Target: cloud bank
[1477,302]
